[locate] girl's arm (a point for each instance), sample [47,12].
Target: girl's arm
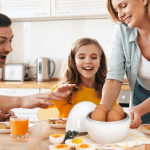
[110,92]
[138,111]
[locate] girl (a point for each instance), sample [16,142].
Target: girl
[85,67]
[130,53]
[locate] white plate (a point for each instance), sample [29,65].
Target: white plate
[8,130]
[57,125]
[142,130]
[30,125]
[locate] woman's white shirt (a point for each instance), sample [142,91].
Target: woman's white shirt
[144,73]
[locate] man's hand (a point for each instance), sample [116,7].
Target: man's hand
[4,116]
[43,100]
[65,89]
[135,117]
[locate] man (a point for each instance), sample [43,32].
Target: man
[38,100]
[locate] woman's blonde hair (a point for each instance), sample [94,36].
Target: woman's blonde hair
[114,15]
[70,74]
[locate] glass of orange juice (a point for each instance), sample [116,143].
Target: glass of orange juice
[19,127]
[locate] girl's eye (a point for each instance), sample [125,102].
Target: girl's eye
[81,57]
[1,42]
[10,41]
[94,57]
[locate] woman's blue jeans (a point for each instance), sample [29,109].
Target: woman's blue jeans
[140,95]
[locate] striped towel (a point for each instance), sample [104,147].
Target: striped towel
[133,138]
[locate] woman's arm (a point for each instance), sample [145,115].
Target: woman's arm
[110,92]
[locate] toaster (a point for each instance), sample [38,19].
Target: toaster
[16,72]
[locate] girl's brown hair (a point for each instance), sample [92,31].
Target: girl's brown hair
[70,74]
[114,15]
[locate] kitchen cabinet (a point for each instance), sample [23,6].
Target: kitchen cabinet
[53,9]
[78,7]
[44,90]
[31,113]
[26,8]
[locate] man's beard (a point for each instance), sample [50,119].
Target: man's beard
[2,64]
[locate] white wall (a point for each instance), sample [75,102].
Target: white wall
[53,39]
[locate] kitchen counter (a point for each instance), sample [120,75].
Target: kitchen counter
[28,84]
[35,84]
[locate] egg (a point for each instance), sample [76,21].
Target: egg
[98,115]
[119,109]
[73,142]
[57,138]
[86,147]
[59,147]
[113,115]
[102,106]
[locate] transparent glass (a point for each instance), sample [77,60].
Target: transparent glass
[19,127]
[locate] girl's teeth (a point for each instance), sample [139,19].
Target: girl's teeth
[88,68]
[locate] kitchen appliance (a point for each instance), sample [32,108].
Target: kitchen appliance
[16,72]
[76,119]
[124,98]
[44,71]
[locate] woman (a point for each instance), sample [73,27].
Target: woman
[130,54]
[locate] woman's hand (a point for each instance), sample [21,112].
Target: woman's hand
[135,117]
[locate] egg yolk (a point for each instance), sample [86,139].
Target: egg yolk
[77,141]
[57,135]
[61,146]
[83,146]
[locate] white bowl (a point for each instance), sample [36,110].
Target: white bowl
[77,115]
[107,132]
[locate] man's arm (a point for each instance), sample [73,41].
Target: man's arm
[110,92]
[9,102]
[41,100]
[32,101]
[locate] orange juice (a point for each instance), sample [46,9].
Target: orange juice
[19,126]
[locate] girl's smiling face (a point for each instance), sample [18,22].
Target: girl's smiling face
[131,12]
[87,61]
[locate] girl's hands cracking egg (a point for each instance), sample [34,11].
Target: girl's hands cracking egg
[57,138]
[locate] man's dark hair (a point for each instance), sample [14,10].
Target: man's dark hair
[5,21]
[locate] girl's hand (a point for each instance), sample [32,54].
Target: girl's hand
[65,89]
[135,117]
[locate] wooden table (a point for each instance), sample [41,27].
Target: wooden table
[36,133]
